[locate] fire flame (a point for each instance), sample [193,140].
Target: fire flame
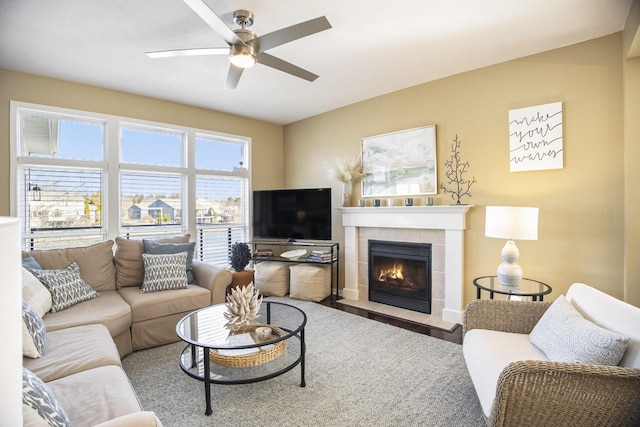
[392,273]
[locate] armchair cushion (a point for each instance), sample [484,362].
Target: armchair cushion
[565,336]
[487,352]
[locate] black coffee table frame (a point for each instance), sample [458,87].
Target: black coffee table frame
[194,346]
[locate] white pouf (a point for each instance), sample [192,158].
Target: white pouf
[272,278]
[310,282]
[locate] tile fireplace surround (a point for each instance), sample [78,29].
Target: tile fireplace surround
[442,226]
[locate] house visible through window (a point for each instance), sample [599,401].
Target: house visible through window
[78,182]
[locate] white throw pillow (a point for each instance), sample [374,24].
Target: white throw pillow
[33,332]
[35,293]
[564,335]
[164,272]
[66,286]
[39,405]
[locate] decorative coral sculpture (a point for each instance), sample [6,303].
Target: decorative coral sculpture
[242,305]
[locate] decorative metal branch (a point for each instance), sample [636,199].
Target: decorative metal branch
[455,169]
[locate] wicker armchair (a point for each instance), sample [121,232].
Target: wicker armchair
[544,393]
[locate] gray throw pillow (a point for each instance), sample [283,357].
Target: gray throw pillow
[564,335]
[39,405]
[33,332]
[66,286]
[158,248]
[164,272]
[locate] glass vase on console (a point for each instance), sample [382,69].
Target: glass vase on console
[346,193]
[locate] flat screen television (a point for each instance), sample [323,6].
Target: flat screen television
[298,214]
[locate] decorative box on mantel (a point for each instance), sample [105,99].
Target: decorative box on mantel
[445,224]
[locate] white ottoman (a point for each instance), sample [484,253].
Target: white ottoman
[271,278]
[310,282]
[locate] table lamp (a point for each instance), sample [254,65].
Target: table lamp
[512,223]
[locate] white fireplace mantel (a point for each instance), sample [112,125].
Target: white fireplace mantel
[451,219]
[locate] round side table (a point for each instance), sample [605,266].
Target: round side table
[527,288]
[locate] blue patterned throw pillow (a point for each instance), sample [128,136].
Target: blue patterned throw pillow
[66,286]
[164,272]
[33,332]
[39,405]
[564,335]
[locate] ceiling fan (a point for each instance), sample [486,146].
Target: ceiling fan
[245,47]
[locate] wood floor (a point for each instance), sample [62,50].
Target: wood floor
[454,336]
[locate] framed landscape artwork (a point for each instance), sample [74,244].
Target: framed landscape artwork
[400,163]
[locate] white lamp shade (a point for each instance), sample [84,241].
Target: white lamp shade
[511,222]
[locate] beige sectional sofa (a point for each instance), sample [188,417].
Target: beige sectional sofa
[85,342]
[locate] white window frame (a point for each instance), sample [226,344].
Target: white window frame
[112,164]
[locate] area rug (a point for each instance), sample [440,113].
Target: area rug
[359,372]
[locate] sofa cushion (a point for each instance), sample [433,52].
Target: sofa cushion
[487,353]
[108,309]
[33,332]
[35,293]
[164,272]
[158,248]
[73,350]
[96,395]
[128,259]
[95,263]
[138,419]
[66,286]
[565,336]
[159,304]
[39,405]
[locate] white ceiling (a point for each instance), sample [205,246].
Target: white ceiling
[375,46]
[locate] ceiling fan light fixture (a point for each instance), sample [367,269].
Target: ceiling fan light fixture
[243,60]
[243,56]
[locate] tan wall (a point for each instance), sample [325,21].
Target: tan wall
[266,137]
[581,227]
[631,69]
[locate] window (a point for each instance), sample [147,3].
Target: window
[152,181]
[62,206]
[150,200]
[78,183]
[222,195]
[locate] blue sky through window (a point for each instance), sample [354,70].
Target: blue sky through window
[84,141]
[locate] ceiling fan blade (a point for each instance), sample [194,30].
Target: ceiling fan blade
[189,52]
[233,76]
[294,32]
[214,21]
[287,67]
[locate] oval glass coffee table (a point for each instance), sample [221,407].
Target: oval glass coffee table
[219,354]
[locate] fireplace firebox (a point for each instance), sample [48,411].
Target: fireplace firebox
[400,274]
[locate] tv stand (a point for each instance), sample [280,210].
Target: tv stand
[334,262]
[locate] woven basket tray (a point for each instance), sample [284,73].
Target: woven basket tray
[253,359]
